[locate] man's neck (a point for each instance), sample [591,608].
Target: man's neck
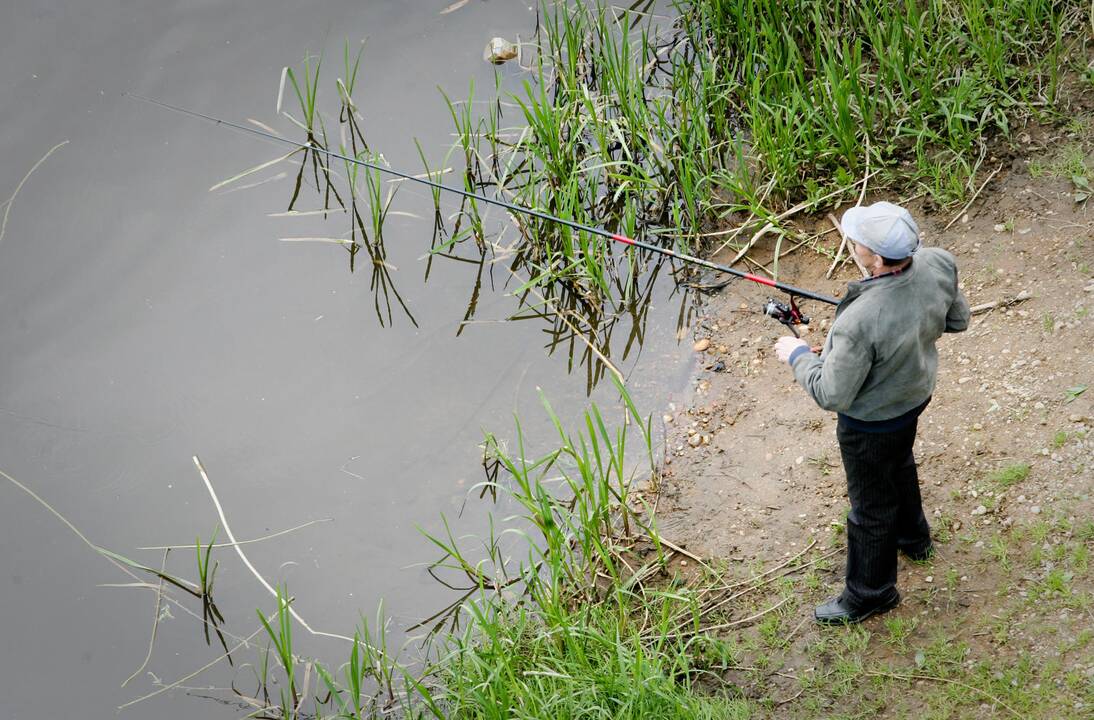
[885,270]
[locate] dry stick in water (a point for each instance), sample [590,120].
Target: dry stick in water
[975,195]
[8,203]
[113,557]
[245,642]
[243,557]
[119,560]
[155,621]
[592,346]
[241,542]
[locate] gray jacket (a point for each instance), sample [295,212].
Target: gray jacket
[879,360]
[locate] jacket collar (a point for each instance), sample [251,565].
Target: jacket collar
[877,282]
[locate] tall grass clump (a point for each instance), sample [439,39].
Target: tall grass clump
[579,624]
[739,109]
[921,82]
[587,633]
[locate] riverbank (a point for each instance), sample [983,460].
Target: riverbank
[1000,618]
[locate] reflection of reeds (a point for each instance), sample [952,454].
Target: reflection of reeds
[585,332]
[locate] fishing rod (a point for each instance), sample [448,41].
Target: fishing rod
[786,313]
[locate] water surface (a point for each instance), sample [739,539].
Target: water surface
[144,320]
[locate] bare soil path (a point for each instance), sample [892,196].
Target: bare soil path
[1005,450]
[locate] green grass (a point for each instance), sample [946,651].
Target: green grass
[578,649]
[579,627]
[1010,475]
[1067,162]
[747,106]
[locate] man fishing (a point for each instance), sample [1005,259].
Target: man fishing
[877,371]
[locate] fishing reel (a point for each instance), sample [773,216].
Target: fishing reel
[788,314]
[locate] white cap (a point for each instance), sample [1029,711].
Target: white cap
[886,229]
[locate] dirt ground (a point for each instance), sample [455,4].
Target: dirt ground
[1005,452]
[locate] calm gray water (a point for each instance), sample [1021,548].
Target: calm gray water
[144,319]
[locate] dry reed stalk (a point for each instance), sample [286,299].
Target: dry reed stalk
[862,269]
[975,195]
[247,562]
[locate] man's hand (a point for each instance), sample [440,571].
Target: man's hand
[786,345]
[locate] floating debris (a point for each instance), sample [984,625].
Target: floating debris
[499,50]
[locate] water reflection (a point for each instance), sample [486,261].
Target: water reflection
[581,303]
[578,323]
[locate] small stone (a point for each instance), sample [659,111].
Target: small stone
[701,345]
[1076,418]
[999,227]
[667,418]
[799,460]
[980,510]
[929,578]
[1035,509]
[695,440]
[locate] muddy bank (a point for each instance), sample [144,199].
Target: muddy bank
[752,467]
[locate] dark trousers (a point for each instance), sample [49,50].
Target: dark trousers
[886,510]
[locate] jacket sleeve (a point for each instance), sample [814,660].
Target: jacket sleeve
[834,381]
[957,318]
